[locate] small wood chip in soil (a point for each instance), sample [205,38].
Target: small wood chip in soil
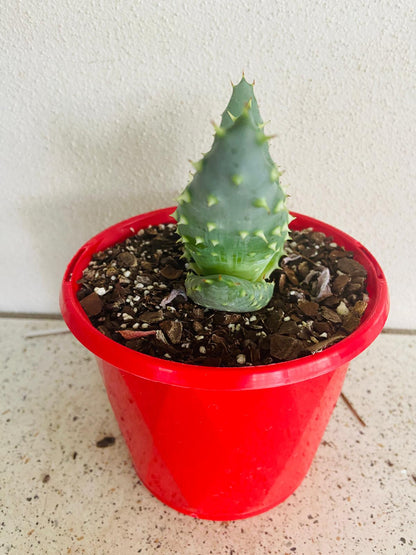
[283,347]
[173,329]
[92,304]
[309,308]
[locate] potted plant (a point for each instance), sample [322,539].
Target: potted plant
[227,437]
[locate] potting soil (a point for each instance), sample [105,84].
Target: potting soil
[134,293]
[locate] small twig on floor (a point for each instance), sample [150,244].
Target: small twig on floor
[42,333]
[352,409]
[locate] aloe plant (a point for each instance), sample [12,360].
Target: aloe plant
[231,217]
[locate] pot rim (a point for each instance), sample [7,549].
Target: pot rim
[221,378]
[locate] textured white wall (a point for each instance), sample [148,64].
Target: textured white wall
[102,103]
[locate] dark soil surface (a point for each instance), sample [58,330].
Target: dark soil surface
[134,293]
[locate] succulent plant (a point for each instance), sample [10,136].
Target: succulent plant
[231,217]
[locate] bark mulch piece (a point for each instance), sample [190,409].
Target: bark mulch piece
[134,293]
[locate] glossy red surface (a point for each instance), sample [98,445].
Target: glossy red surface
[221,443]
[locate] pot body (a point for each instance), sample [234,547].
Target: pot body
[221,443]
[221,455]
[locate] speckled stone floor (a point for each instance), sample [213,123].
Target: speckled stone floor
[62,494]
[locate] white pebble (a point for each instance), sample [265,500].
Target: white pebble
[241,359]
[286,319]
[202,350]
[100,291]
[333,245]
[342,309]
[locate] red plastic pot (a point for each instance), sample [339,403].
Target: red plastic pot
[221,443]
